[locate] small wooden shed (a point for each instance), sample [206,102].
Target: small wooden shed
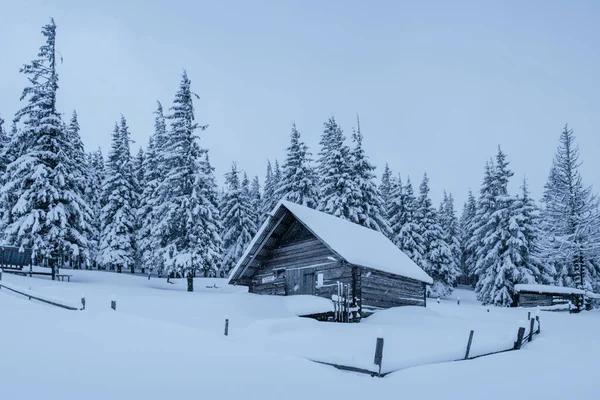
[299,250]
[551,296]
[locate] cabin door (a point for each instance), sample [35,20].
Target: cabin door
[300,281]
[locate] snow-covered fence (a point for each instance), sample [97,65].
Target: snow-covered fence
[31,296]
[523,337]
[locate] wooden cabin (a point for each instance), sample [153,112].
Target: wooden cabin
[299,250]
[552,296]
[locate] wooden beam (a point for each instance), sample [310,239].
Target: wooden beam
[262,244]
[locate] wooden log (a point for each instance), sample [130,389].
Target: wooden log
[537,318]
[226,327]
[379,354]
[469,344]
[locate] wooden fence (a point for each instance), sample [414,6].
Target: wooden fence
[34,297]
[522,339]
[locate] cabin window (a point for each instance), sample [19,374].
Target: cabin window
[319,280]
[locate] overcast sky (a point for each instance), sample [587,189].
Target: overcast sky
[438,85]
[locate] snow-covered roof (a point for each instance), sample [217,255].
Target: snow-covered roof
[547,289]
[356,244]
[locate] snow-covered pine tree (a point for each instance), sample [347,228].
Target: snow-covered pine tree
[140,182]
[467,223]
[118,212]
[503,257]
[80,174]
[149,238]
[41,194]
[247,194]
[178,210]
[237,217]
[450,226]
[268,194]
[368,208]
[335,172]
[93,196]
[256,200]
[298,182]
[210,243]
[406,233]
[386,188]
[571,220]
[438,259]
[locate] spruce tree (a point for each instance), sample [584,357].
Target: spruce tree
[298,182]
[335,173]
[44,209]
[368,208]
[571,220]
[406,232]
[504,256]
[386,187]
[438,259]
[93,195]
[450,227]
[180,195]
[467,224]
[4,149]
[237,217]
[210,242]
[267,202]
[149,237]
[118,213]
[256,200]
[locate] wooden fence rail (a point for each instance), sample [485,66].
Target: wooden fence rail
[31,296]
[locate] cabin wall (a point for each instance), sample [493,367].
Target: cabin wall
[382,290]
[304,254]
[527,299]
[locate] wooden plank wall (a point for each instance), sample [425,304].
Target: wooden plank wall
[383,290]
[536,299]
[300,254]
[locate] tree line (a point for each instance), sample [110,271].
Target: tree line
[162,210]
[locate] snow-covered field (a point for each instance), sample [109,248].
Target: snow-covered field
[163,342]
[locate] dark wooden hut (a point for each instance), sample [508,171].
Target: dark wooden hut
[303,251]
[552,296]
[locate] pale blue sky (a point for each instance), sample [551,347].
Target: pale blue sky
[438,85]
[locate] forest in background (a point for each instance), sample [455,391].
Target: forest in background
[161,210]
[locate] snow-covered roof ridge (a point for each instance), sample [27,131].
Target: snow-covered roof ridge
[357,244]
[552,289]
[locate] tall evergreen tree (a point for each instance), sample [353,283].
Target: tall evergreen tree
[450,227]
[256,200]
[438,260]
[43,206]
[298,182]
[367,205]
[210,243]
[93,196]
[118,213]
[180,198]
[571,220]
[237,217]
[4,148]
[335,172]
[386,188]
[467,224]
[269,198]
[406,233]
[149,237]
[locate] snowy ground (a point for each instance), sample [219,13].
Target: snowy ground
[164,342]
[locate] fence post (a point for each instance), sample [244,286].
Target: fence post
[113,304]
[379,354]
[528,315]
[531,330]
[0,274]
[469,344]
[83,303]
[226,327]
[520,335]
[537,318]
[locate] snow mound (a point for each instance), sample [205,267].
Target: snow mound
[307,305]
[400,315]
